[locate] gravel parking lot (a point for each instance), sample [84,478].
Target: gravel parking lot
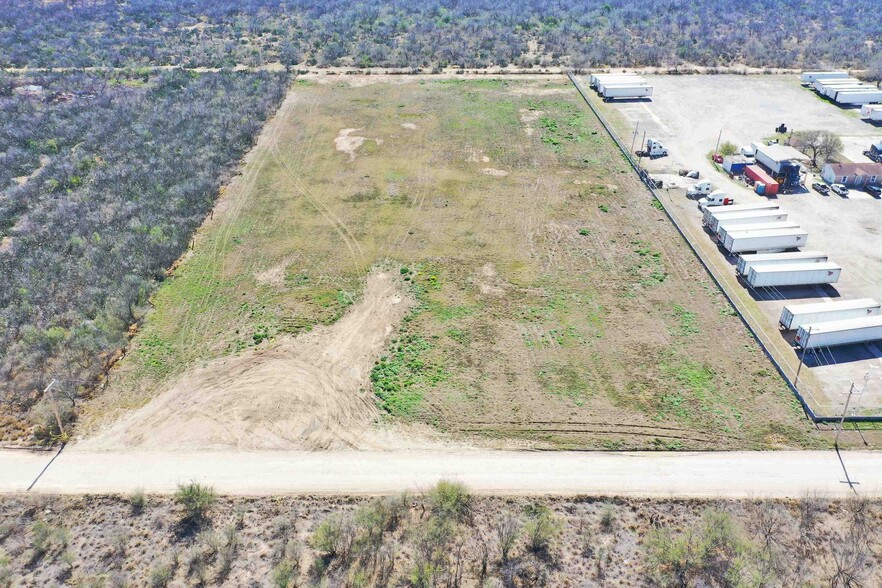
[688,113]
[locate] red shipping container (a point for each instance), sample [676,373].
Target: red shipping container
[759,175]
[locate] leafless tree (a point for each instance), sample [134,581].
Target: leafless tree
[508,530]
[820,146]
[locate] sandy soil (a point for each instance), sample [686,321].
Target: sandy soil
[348,143]
[307,392]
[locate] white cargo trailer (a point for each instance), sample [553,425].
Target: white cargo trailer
[845,332]
[809,77]
[821,85]
[858,96]
[796,274]
[750,218]
[872,111]
[745,262]
[830,91]
[632,91]
[722,231]
[595,79]
[767,241]
[718,213]
[795,315]
[604,84]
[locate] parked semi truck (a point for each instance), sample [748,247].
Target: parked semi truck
[745,262]
[750,218]
[715,198]
[797,274]
[711,215]
[844,332]
[722,231]
[764,241]
[702,188]
[796,315]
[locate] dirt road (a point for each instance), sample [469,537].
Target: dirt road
[722,474]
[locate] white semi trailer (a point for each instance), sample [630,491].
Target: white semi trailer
[722,231]
[631,91]
[712,215]
[845,332]
[872,111]
[764,241]
[745,262]
[795,315]
[858,96]
[796,274]
[602,85]
[595,79]
[809,77]
[750,218]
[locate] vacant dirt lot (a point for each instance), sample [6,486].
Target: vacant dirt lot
[117,541]
[555,304]
[688,113]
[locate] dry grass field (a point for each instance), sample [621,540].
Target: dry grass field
[413,540]
[531,292]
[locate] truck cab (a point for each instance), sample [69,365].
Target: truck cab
[702,188]
[655,148]
[716,198]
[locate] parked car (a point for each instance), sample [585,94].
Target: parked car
[874,190]
[821,188]
[839,189]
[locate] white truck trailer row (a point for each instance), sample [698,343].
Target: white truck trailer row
[764,241]
[795,274]
[722,231]
[796,315]
[712,216]
[745,262]
[844,332]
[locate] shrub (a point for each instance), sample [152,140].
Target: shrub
[607,518]
[450,500]
[196,501]
[334,536]
[728,148]
[161,575]
[138,500]
[508,529]
[283,573]
[542,529]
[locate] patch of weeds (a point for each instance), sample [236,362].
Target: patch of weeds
[566,381]
[398,377]
[155,351]
[650,269]
[448,313]
[460,336]
[603,208]
[686,321]
[584,232]
[656,204]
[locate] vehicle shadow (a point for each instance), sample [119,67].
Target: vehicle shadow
[825,356]
[790,292]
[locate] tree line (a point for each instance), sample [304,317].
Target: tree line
[438,33]
[108,176]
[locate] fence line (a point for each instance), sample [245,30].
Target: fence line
[755,332]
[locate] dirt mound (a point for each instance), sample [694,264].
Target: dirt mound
[308,392]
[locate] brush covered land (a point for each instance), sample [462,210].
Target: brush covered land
[551,303]
[442,537]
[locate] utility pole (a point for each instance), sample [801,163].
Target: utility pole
[802,357]
[719,137]
[54,407]
[634,137]
[844,410]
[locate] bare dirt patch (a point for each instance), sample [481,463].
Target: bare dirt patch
[310,391]
[498,173]
[348,143]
